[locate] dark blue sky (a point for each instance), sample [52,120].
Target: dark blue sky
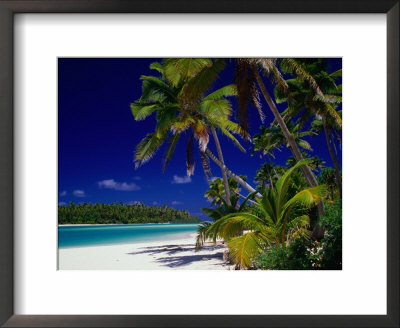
[97,136]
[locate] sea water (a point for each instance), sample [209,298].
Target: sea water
[92,235]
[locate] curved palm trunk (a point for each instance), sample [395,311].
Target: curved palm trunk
[269,176]
[221,158]
[335,165]
[292,143]
[238,179]
[312,181]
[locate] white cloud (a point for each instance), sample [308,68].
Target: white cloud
[122,186]
[176,202]
[181,180]
[62,203]
[63,193]
[155,203]
[79,193]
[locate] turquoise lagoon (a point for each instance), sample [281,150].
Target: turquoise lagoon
[95,235]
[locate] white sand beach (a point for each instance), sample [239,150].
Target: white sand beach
[178,254]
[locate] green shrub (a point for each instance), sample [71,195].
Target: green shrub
[274,258]
[331,243]
[304,254]
[296,256]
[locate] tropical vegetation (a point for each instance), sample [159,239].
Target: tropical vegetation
[119,213]
[291,218]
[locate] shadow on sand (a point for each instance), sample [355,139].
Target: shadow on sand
[174,258]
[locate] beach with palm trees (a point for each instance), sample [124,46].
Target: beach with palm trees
[267,135]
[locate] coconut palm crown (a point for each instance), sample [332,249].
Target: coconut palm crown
[181,106]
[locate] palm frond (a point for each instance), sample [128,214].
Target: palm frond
[333,116]
[196,86]
[220,107]
[235,128]
[232,137]
[230,225]
[304,144]
[248,197]
[244,248]
[142,111]
[307,197]
[301,233]
[178,70]
[165,118]
[146,148]
[158,67]
[268,206]
[173,141]
[155,89]
[272,71]
[299,222]
[214,213]
[294,67]
[226,91]
[337,73]
[282,184]
[182,124]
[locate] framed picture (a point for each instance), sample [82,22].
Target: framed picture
[146,144]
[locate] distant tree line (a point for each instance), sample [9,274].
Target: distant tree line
[119,213]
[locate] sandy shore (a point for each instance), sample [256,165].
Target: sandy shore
[170,254]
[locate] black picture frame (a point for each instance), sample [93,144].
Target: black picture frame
[10,7]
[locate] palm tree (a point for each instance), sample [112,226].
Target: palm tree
[304,100]
[264,175]
[284,217]
[248,74]
[179,101]
[246,79]
[216,192]
[316,163]
[176,68]
[217,213]
[271,138]
[328,177]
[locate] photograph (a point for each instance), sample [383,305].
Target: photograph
[199,163]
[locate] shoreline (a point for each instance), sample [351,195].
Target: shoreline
[177,254]
[109,224]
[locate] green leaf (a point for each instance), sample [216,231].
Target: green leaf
[142,111]
[173,141]
[226,91]
[337,73]
[178,70]
[146,149]
[244,248]
[308,197]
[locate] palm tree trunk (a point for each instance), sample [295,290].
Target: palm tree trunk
[312,181]
[221,158]
[238,179]
[290,140]
[269,175]
[335,165]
